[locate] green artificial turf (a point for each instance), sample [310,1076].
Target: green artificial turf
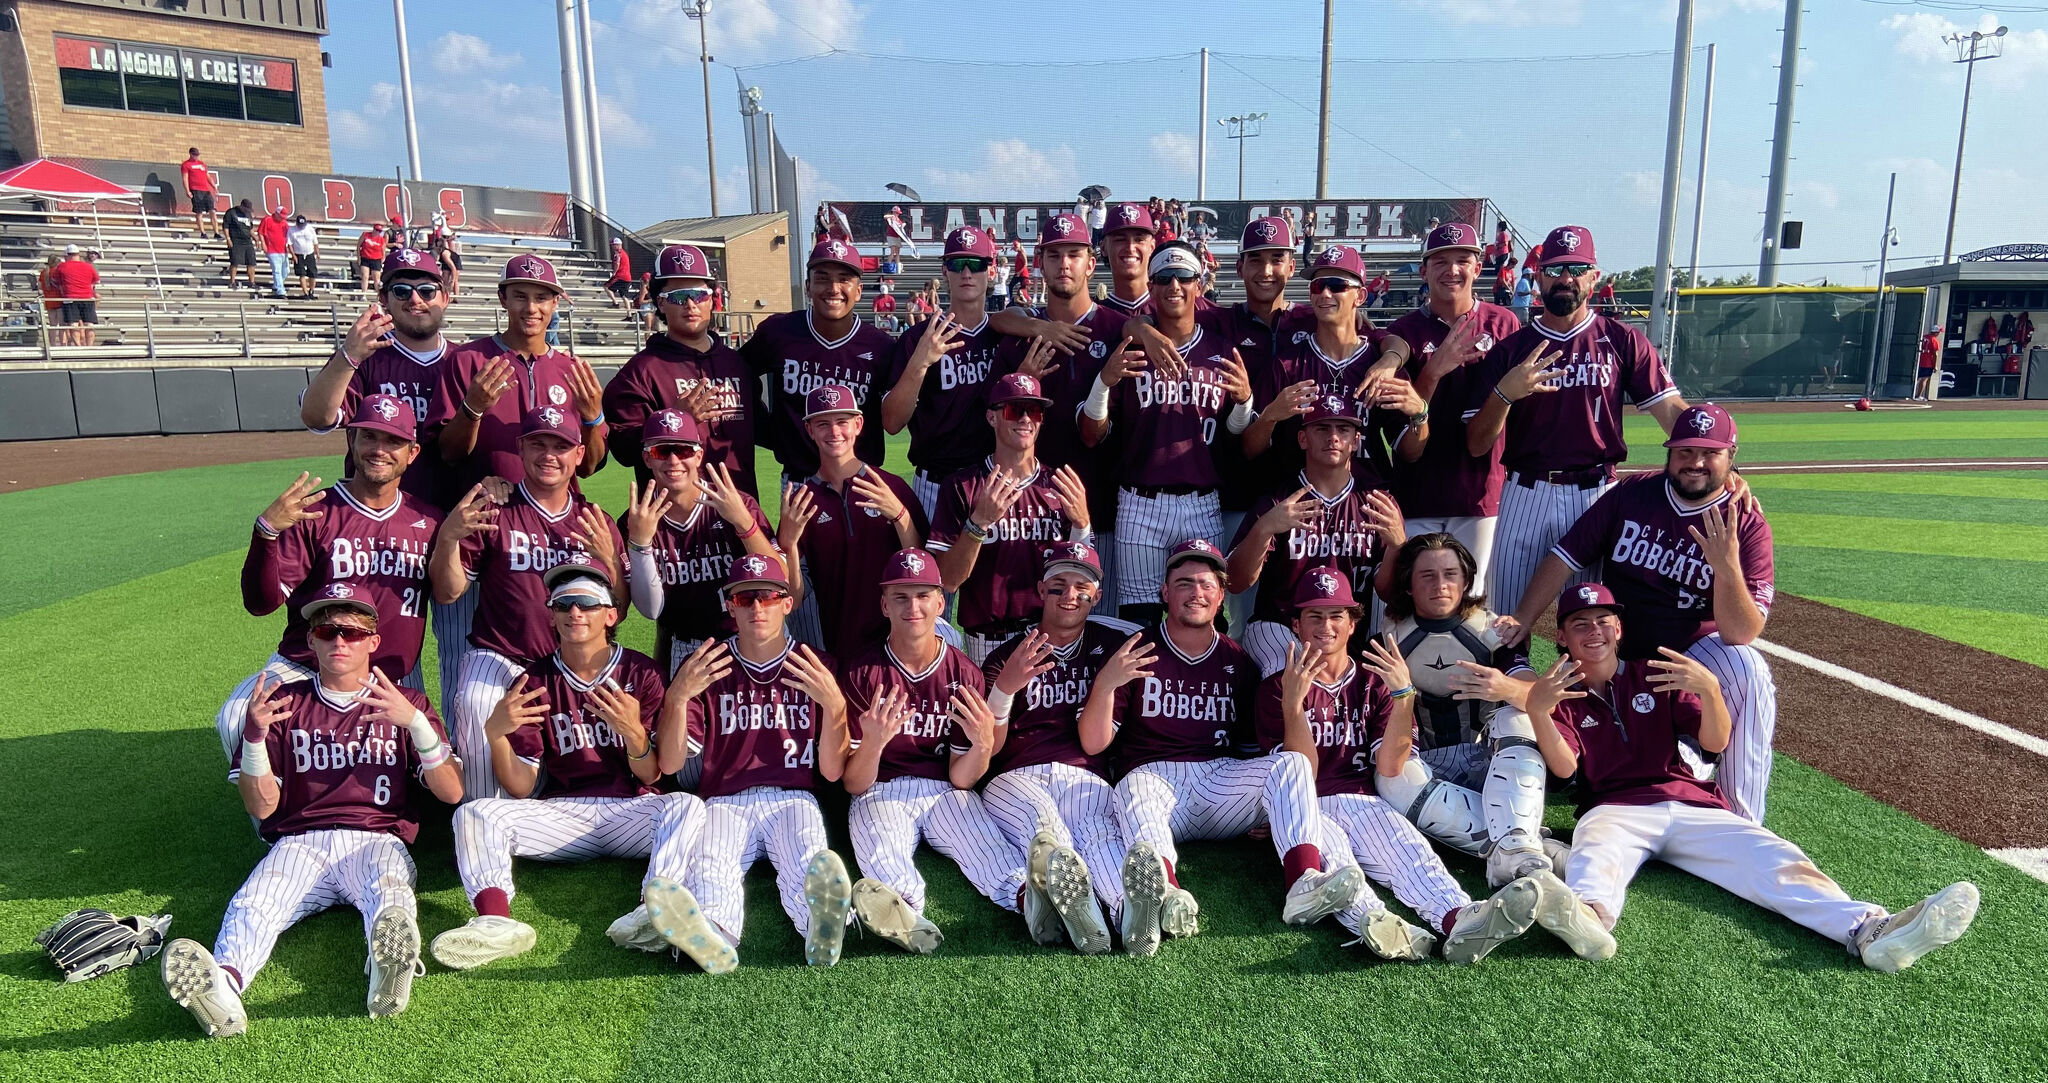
[1849,436]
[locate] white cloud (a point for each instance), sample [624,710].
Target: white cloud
[1009,169]
[1919,39]
[1643,186]
[363,126]
[743,31]
[466,55]
[1503,13]
[618,126]
[1175,151]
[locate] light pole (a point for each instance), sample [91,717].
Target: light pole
[1884,255]
[699,12]
[1970,48]
[1241,128]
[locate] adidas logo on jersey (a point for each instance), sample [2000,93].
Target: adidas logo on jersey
[824,516]
[867,356]
[421,525]
[1249,342]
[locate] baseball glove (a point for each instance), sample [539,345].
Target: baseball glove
[88,943]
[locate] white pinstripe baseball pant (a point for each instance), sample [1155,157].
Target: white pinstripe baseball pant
[1474,532]
[1532,519]
[1267,642]
[490,832]
[927,492]
[1361,829]
[1238,607]
[1219,799]
[486,677]
[1147,527]
[783,825]
[887,821]
[303,875]
[451,641]
[1105,550]
[1752,694]
[236,710]
[1078,806]
[692,770]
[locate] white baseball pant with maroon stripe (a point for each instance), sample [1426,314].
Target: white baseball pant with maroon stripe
[486,677]
[783,825]
[1220,799]
[1474,532]
[1078,806]
[303,875]
[490,832]
[887,821]
[1744,773]
[1147,527]
[1532,519]
[1612,841]
[1362,829]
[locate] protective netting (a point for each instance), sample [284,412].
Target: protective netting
[1788,343]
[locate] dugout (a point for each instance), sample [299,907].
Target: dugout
[2006,288]
[1794,342]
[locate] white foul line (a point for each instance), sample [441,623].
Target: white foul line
[2000,730]
[1804,468]
[2032,861]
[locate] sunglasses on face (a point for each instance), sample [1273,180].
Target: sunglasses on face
[966,264]
[695,295]
[1176,275]
[404,291]
[751,598]
[673,451]
[328,633]
[576,602]
[1332,284]
[1566,270]
[1022,411]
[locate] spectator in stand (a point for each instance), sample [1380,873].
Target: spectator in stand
[53,301]
[448,249]
[1525,286]
[892,224]
[1020,263]
[925,302]
[1178,215]
[1504,281]
[240,223]
[394,234]
[1098,216]
[273,231]
[999,286]
[370,256]
[1293,225]
[304,242]
[885,298]
[1376,291]
[1603,297]
[1308,238]
[199,187]
[620,284]
[78,284]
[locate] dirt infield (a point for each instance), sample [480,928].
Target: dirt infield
[31,464]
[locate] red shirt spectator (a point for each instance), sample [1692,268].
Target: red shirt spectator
[622,264]
[75,279]
[1604,296]
[370,245]
[272,230]
[1380,283]
[885,302]
[197,179]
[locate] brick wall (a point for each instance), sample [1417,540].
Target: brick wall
[45,127]
[757,271]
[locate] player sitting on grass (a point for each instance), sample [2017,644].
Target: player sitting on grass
[1637,736]
[921,740]
[572,744]
[327,766]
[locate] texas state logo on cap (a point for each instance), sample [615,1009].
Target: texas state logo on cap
[1705,425]
[670,427]
[387,414]
[1451,237]
[1197,549]
[1324,588]
[830,399]
[682,261]
[969,241]
[1129,216]
[1072,556]
[1569,244]
[912,567]
[528,267]
[1263,233]
[1065,227]
[410,261]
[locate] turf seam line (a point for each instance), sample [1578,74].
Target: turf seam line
[1960,717]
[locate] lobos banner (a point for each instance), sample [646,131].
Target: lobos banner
[1370,223]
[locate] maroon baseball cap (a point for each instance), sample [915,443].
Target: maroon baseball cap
[410,261]
[670,427]
[338,596]
[1072,556]
[1197,549]
[1338,259]
[387,414]
[1704,425]
[755,570]
[830,399]
[1324,588]
[527,267]
[912,567]
[682,261]
[1065,227]
[1451,237]
[969,241]
[1569,244]
[1332,408]
[834,252]
[1263,233]
[551,419]
[1128,216]
[1017,387]
[1585,596]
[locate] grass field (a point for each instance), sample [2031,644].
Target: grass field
[117,650]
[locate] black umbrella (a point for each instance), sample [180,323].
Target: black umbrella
[1095,193]
[905,191]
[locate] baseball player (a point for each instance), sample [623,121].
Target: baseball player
[1350,720]
[825,345]
[1168,426]
[1052,797]
[1129,240]
[1440,484]
[995,519]
[1333,518]
[1177,701]
[767,719]
[499,554]
[366,533]
[326,765]
[687,367]
[1334,356]
[939,372]
[1553,393]
[1635,734]
[1694,566]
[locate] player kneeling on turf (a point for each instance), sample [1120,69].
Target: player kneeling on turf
[1637,735]
[326,766]
[572,742]
[921,740]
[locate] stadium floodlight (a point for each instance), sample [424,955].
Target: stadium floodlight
[699,12]
[750,102]
[1242,127]
[1970,48]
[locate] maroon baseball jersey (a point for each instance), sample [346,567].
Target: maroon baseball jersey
[1297,357]
[1004,583]
[576,750]
[1577,426]
[1635,538]
[788,350]
[415,377]
[693,554]
[1045,718]
[1341,538]
[1167,427]
[537,381]
[1067,385]
[844,551]
[1190,708]
[1446,481]
[754,731]
[337,770]
[1628,744]
[660,377]
[383,554]
[1346,719]
[925,747]
[506,565]
[949,428]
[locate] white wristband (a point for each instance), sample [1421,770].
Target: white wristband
[424,739]
[1097,405]
[1241,418]
[999,704]
[255,759]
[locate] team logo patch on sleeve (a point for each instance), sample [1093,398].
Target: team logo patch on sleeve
[558,396]
[1643,702]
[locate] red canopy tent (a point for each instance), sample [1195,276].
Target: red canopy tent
[45,179]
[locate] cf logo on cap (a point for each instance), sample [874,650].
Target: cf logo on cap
[914,562]
[1263,231]
[1703,421]
[551,415]
[1570,241]
[755,565]
[830,396]
[386,409]
[341,590]
[1326,583]
[1588,595]
[671,422]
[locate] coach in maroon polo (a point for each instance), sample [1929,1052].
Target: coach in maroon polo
[824,345]
[685,366]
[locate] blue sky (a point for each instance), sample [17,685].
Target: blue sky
[1554,109]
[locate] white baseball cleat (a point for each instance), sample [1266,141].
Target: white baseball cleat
[1484,926]
[885,913]
[199,985]
[1513,856]
[1560,911]
[635,930]
[1144,894]
[1318,893]
[394,961]
[1388,937]
[678,922]
[485,938]
[1073,898]
[1895,942]
[1179,915]
[829,894]
[1041,917]
[1559,852]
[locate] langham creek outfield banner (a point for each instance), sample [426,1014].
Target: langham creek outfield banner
[1377,224]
